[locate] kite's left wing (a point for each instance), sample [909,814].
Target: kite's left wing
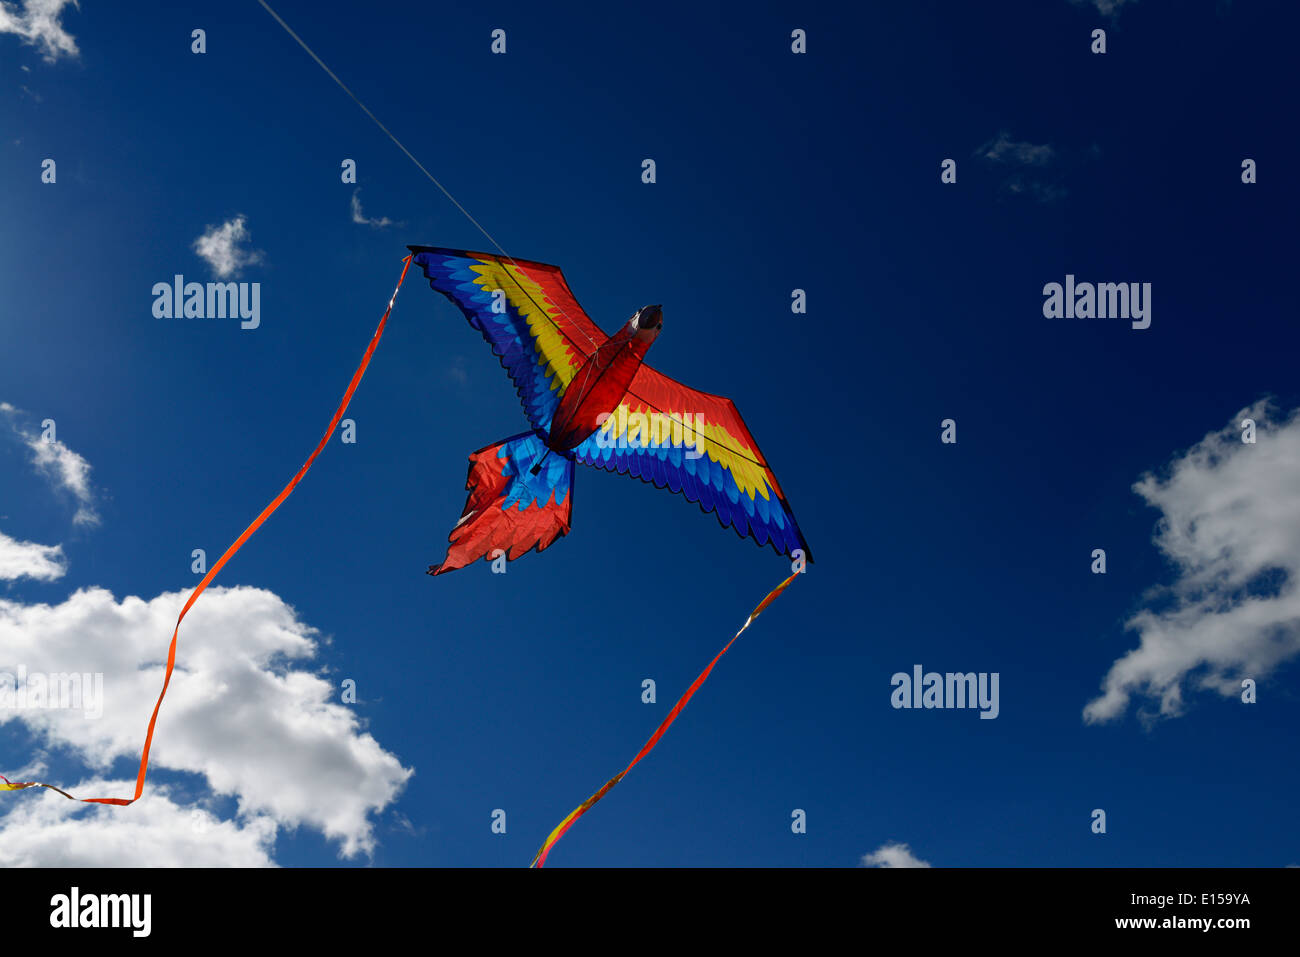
[526,312]
[697,444]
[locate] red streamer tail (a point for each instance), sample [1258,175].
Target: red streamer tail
[221,562]
[539,859]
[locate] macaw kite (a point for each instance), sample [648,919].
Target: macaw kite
[590,398]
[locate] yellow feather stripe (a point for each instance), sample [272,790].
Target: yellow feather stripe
[643,427]
[538,311]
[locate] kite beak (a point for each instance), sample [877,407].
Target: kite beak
[650,317]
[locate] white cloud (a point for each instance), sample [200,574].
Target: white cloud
[69,471]
[1230,524]
[1043,192]
[1033,169]
[30,560]
[37,22]
[238,712]
[458,371]
[219,246]
[44,829]
[360,218]
[64,468]
[1107,8]
[893,855]
[1003,149]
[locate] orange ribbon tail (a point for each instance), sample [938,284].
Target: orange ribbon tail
[221,562]
[539,859]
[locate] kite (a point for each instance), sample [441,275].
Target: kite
[591,400]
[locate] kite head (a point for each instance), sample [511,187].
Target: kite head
[648,321]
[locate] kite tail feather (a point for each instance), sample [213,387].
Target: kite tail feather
[520,497]
[539,859]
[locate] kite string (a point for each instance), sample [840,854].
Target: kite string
[230,553]
[321,63]
[539,859]
[411,156]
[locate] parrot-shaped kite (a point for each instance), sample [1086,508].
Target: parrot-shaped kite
[591,399]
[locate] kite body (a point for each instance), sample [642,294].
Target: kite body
[600,385]
[590,399]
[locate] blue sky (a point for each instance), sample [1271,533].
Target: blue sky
[775,171]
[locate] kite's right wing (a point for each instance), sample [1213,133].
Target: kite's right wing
[526,312]
[696,444]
